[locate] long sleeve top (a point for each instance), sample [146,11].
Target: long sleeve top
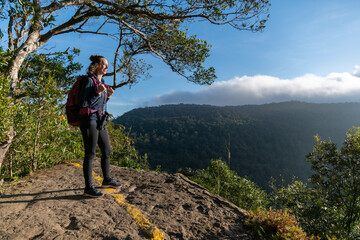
[88,97]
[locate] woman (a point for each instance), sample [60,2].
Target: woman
[91,128]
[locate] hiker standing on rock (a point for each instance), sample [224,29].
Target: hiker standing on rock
[93,96]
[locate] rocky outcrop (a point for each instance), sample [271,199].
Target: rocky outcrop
[50,205]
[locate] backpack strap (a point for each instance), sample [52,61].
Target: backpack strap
[86,111]
[95,82]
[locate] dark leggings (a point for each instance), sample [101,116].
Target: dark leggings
[92,136]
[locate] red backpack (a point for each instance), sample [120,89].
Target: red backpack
[73,111]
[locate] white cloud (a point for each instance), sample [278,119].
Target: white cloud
[335,87]
[357,71]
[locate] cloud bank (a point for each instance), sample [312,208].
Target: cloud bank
[260,89]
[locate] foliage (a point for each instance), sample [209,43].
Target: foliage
[43,137]
[330,206]
[124,153]
[336,178]
[266,140]
[38,68]
[219,179]
[43,140]
[6,108]
[306,204]
[275,225]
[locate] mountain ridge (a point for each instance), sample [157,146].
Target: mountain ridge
[265,140]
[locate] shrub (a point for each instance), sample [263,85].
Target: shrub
[276,225]
[124,153]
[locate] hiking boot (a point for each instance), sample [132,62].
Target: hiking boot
[92,192]
[110,183]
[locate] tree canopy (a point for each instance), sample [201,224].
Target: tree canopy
[329,206]
[156,27]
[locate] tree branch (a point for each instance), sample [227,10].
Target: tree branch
[81,31]
[129,81]
[57,5]
[143,36]
[71,22]
[10,36]
[117,53]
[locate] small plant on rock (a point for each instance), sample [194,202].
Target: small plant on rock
[275,225]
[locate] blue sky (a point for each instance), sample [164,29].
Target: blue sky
[309,51]
[305,49]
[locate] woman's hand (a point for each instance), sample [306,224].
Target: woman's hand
[110,92]
[100,88]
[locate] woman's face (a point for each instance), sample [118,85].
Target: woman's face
[103,67]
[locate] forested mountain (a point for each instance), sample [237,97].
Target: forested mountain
[264,140]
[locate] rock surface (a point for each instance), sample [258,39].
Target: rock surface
[50,205]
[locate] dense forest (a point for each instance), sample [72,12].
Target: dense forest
[264,141]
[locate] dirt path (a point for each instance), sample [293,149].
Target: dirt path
[50,205]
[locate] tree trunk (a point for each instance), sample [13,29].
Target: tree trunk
[15,64]
[28,46]
[4,148]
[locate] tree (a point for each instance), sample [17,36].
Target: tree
[144,27]
[331,205]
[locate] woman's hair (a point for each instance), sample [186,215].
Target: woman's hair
[95,60]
